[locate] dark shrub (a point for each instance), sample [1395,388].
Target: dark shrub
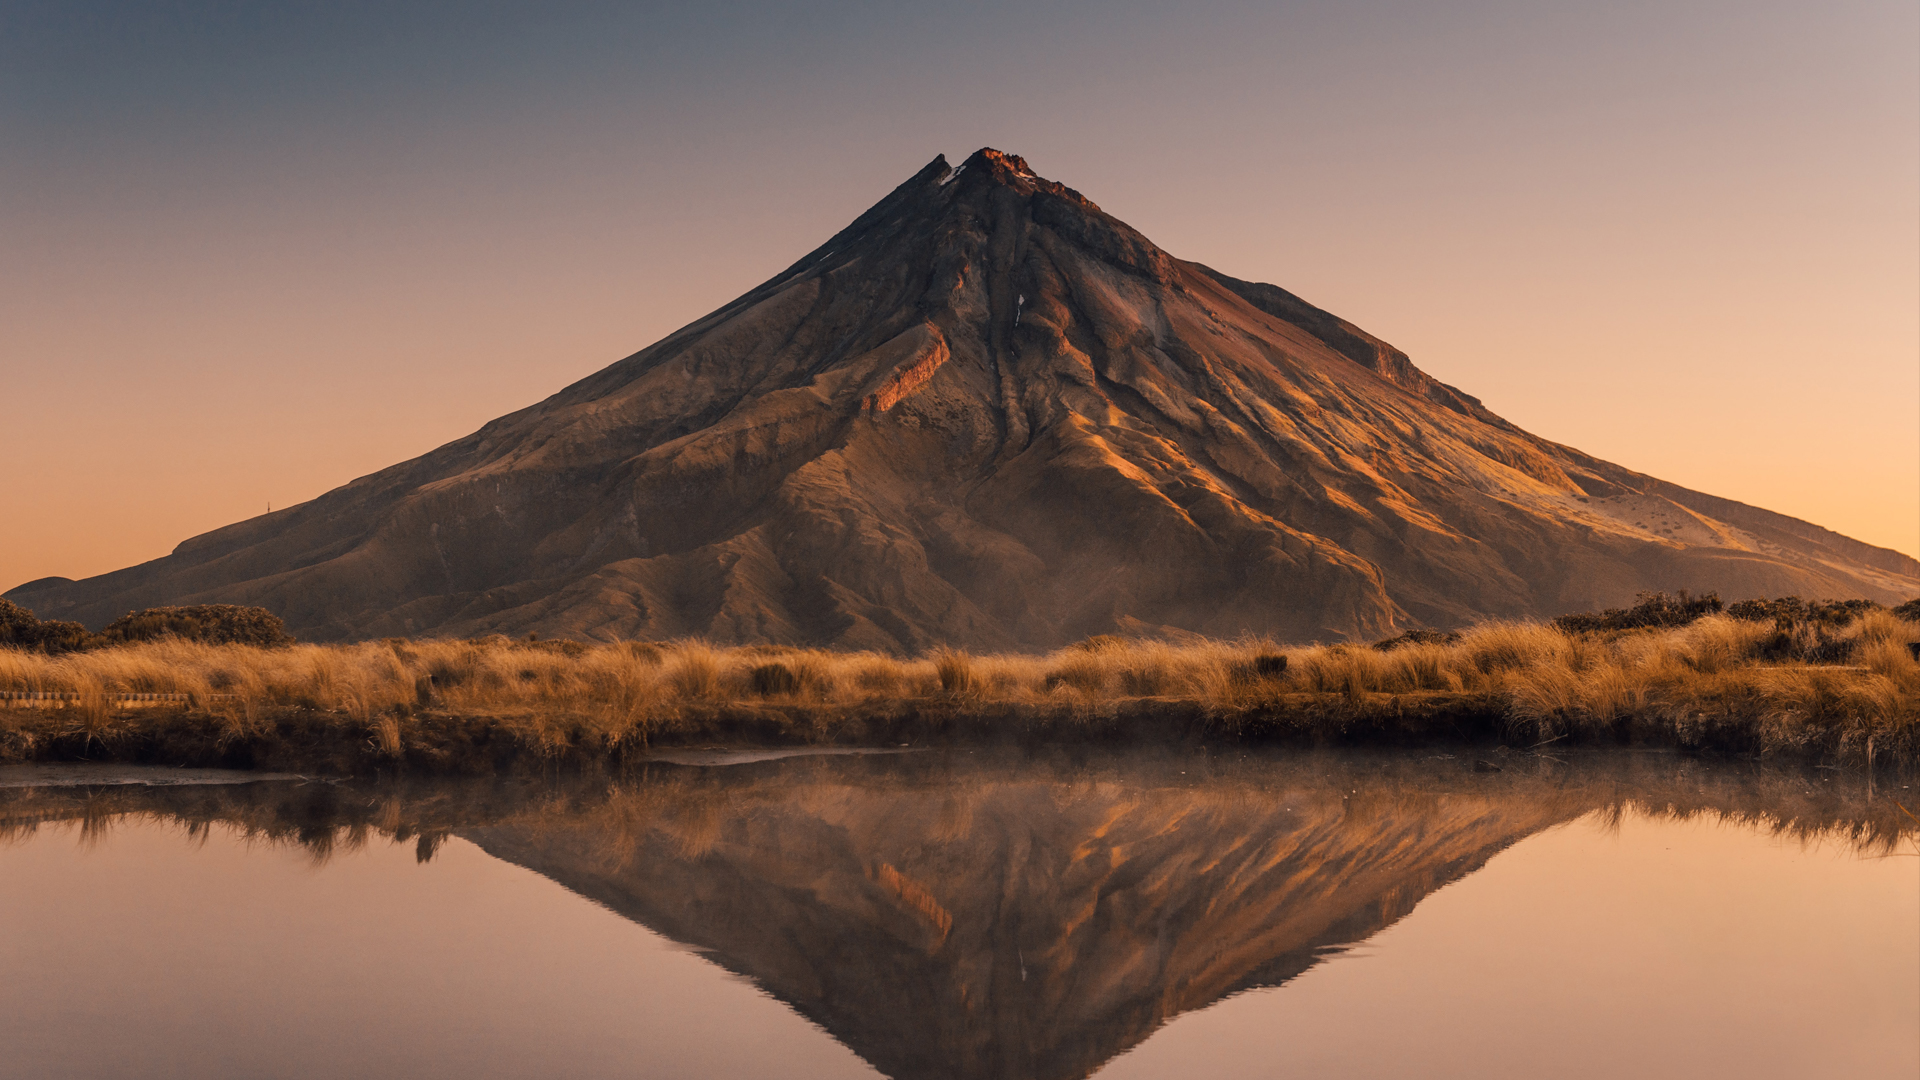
[1841,612]
[1764,610]
[57,636]
[1418,637]
[1806,631]
[1262,668]
[1806,642]
[1655,609]
[1792,609]
[1270,665]
[1909,611]
[16,623]
[213,624]
[21,630]
[770,680]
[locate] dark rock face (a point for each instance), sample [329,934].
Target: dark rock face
[988,414]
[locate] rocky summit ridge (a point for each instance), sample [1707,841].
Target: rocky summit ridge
[990,415]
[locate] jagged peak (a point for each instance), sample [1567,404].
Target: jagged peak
[996,167]
[987,159]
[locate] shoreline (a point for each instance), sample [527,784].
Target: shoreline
[310,741]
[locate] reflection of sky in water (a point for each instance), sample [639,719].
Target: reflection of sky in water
[876,897]
[1686,949]
[224,960]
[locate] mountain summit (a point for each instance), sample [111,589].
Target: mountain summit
[988,414]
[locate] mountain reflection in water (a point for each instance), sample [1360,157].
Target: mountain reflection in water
[984,915]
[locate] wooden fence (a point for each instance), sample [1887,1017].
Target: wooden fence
[45,699]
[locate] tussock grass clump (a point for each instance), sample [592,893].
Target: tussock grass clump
[877,676]
[1084,673]
[693,672]
[1718,681]
[1151,677]
[955,671]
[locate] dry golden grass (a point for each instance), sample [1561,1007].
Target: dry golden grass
[1705,684]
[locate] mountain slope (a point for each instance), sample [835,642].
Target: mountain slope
[989,414]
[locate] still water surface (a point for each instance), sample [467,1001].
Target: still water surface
[972,915]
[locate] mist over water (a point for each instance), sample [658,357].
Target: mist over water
[957,914]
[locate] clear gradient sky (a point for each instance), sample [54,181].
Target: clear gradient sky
[249,252]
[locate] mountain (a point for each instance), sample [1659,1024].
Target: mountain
[988,414]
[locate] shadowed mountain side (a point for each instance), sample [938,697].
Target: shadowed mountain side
[1036,926]
[988,414]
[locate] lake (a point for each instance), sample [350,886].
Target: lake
[950,913]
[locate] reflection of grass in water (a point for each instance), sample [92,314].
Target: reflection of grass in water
[942,798]
[1708,684]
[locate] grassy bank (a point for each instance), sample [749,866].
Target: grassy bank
[1718,683]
